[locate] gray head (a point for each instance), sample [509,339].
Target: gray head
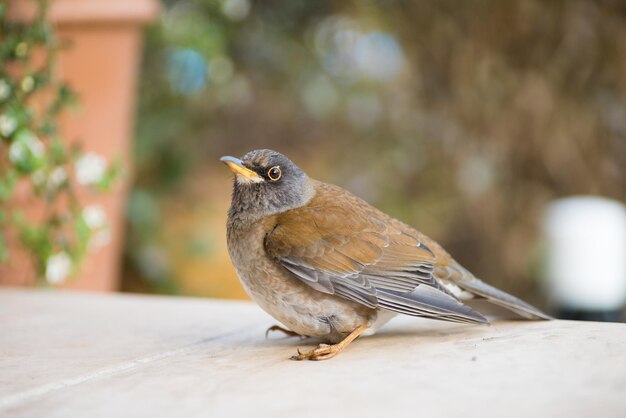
[266,183]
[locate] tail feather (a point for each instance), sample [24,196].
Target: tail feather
[501,298]
[428,302]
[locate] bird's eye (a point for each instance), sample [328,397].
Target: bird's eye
[274,173]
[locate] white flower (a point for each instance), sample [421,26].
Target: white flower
[96,219]
[90,168]
[25,144]
[17,152]
[57,177]
[5,89]
[35,145]
[54,179]
[94,216]
[7,124]
[58,267]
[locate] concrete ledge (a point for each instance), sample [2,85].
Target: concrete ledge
[78,354]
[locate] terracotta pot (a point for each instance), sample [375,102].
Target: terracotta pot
[100,62]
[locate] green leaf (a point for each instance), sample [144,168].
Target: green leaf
[58,151]
[7,184]
[83,235]
[110,177]
[4,251]
[65,97]
[38,239]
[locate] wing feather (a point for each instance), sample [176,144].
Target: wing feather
[360,254]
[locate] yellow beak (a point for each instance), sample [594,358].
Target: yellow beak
[237,167]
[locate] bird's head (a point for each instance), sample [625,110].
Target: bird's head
[266,183]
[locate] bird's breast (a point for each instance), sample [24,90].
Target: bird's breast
[289,300]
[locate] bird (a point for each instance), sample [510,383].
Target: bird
[328,265]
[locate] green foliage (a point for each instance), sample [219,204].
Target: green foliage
[34,158]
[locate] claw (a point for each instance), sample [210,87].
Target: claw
[326,351]
[287,332]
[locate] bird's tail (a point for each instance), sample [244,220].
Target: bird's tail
[498,297]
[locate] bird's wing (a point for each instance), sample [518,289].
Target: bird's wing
[456,275]
[339,244]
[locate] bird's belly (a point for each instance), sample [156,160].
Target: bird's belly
[298,306]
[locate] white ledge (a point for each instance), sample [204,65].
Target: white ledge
[66,354]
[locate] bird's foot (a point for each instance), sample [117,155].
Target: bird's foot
[321,352]
[327,351]
[285,331]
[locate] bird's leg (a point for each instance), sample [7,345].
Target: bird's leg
[326,351]
[287,332]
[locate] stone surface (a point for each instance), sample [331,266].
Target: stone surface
[88,355]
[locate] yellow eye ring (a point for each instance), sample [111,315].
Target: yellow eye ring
[274,173]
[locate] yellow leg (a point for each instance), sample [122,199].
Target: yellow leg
[287,332]
[326,351]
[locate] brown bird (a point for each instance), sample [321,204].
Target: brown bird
[326,264]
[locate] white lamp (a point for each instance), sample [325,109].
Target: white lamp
[586,249]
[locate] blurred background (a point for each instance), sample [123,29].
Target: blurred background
[466,120]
